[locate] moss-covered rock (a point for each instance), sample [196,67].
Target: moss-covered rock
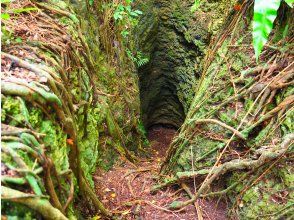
[65,107]
[173,39]
[231,95]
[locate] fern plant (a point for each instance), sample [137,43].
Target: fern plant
[265,13]
[126,16]
[139,59]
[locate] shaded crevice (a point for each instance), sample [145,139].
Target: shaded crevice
[160,103]
[166,34]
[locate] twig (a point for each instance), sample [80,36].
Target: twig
[71,194]
[197,207]
[237,133]
[135,171]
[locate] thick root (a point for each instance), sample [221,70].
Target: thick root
[38,204]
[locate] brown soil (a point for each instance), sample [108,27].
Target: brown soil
[125,189]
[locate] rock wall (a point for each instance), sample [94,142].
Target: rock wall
[239,121]
[64,110]
[174,40]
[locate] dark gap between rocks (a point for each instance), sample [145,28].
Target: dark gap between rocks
[166,81]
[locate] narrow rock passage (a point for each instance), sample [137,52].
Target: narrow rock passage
[125,189]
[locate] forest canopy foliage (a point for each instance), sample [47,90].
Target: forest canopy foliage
[265,13]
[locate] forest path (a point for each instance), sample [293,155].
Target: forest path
[125,189]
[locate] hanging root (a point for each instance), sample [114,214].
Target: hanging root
[38,93]
[29,91]
[71,193]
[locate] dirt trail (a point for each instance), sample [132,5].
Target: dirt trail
[125,189]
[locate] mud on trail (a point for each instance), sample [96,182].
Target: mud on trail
[125,188]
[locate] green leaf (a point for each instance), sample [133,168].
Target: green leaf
[5,16]
[117,16]
[138,12]
[265,13]
[195,6]
[128,8]
[134,14]
[121,7]
[124,33]
[18,40]
[290,2]
[5,1]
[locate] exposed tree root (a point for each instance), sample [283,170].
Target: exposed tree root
[41,205]
[19,161]
[136,171]
[88,192]
[265,157]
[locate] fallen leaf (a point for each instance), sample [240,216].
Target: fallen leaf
[237,7]
[69,141]
[113,195]
[126,212]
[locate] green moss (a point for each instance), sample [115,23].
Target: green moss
[109,155]
[96,145]
[55,143]
[287,176]
[35,117]
[260,204]
[248,104]
[265,198]
[227,118]
[88,140]
[11,111]
[287,125]
[251,195]
[15,211]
